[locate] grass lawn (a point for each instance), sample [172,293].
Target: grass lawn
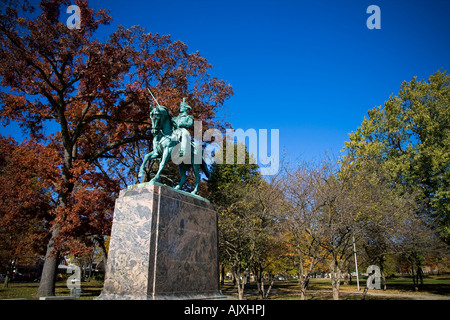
[319,289]
[89,290]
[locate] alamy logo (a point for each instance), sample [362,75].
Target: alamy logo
[374,21]
[258,145]
[74,21]
[74,281]
[374,276]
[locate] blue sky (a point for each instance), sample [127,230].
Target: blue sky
[311,69]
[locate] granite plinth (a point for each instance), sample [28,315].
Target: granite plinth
[163,246]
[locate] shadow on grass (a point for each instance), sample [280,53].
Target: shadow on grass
[432,285]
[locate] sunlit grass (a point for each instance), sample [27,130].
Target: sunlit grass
[319,289]
[28,290]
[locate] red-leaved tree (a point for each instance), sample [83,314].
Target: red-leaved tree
[95,92]
[27,171]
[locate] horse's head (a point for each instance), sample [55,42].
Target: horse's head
[160,117]
[155,116]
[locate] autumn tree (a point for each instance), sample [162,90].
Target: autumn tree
[414,242]
[95,93]
[25,201]
[264,202]
[335,213]
[300,220]
[331,205]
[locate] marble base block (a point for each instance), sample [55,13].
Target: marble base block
[163,246]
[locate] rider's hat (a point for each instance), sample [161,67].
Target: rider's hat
[183,103]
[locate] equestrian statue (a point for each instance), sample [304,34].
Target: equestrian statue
[171,140]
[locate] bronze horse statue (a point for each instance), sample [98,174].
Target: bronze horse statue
[168,139]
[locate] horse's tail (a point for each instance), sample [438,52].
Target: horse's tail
[205,169]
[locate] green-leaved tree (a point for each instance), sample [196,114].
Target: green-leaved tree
[410,137]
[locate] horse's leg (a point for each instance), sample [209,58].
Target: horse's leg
[182,173]
[196,168]
[148,156]
[164,159]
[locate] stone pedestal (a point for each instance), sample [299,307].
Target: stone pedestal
[163,246]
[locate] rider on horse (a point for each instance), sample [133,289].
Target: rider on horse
[180,124]
[171,133]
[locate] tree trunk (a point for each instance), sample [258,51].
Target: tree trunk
[259,273]
[347,278]
[272,280]
[8,274]
[101,244]
[48,276]
[6,281]
[381,261]
[50,269]
[240,283]
[304,285]
[419,276]
[335,281]
[259,281]
[415,278]
[363,296]
[90,270]
[222,278]
[301,279]
[383,277]
[302,291]
[304,280]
